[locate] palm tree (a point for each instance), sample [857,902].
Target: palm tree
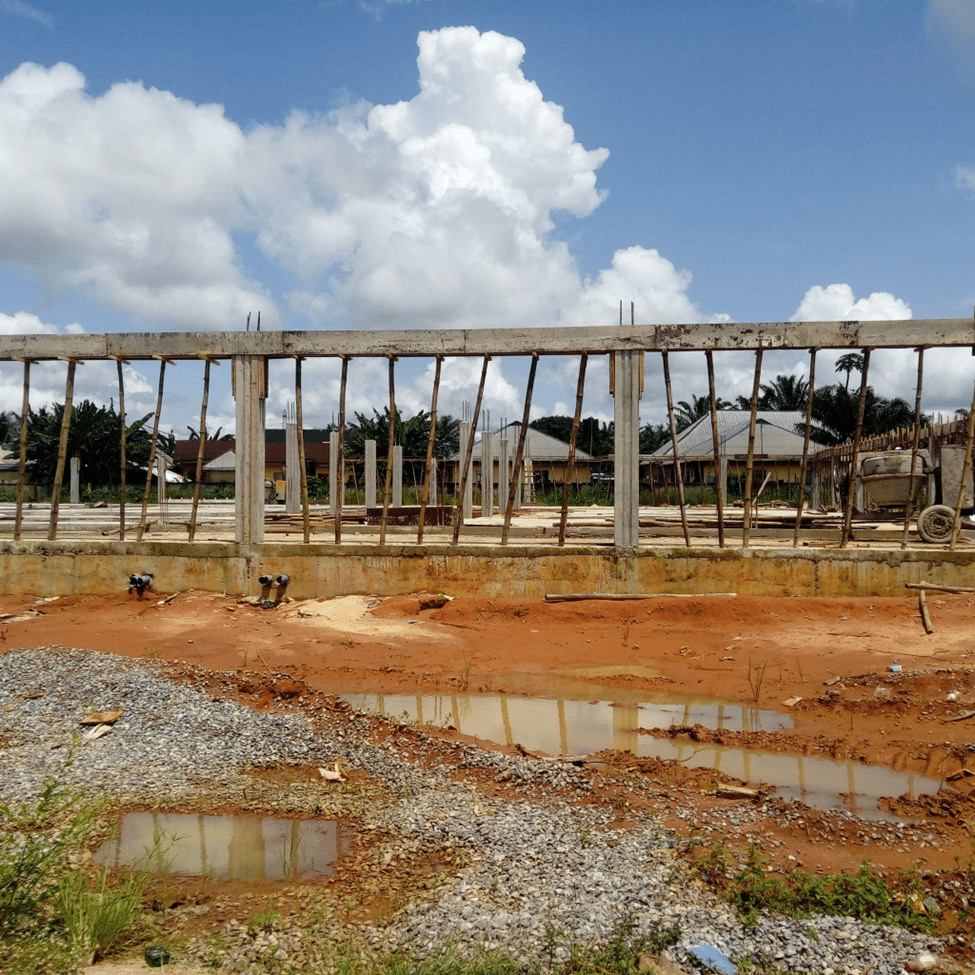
[687,413]
[785,393]
[851,362]
[835,414]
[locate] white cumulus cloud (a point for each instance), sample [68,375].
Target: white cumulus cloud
[836,302]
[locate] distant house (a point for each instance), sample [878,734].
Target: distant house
[777,453]
[549,459]
[219,460]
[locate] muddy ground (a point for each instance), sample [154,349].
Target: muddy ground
[871,683]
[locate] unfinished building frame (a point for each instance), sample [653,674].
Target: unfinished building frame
[627,347]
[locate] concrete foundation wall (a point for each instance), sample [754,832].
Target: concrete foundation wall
[63,568]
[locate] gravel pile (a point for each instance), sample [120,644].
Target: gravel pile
[535,865]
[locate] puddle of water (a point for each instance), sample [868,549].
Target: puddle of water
[563,726]
[572,727]
[250,848]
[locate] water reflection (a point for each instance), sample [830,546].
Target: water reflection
[247,848]
[571,727]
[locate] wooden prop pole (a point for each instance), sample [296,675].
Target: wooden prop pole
[520,455]
[570,472]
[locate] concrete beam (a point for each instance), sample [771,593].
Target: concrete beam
[495,341]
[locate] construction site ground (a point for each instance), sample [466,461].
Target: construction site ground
[862,678]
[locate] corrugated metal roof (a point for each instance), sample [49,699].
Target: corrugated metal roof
[540,446]
[775,436]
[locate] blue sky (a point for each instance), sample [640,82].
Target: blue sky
[177,165]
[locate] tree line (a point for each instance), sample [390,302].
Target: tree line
[94,431]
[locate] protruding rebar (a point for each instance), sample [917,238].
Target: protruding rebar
[803,466]
[570,472]
[520,455]
[675,449]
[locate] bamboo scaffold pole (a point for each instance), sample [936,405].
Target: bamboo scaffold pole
[855,458]
[678,477]
[807,435]
[300,422]
[966,475]
[152,452]
[52,528]
[720,483]
[431,442]
[122,457]
[198,479]
[469,453]
[746,525]
[340,460]
[570,472]
[388,482]
[915,447]
[520,454]
[22,464]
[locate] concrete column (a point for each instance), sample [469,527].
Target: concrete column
[433,481]
[370,475]
[336,472]
[817,489]
[292,468]
[75,465]
[722,483]
[250,393]
[504,472]
[397,486]
[467,507]
[626,485]
[487,473]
